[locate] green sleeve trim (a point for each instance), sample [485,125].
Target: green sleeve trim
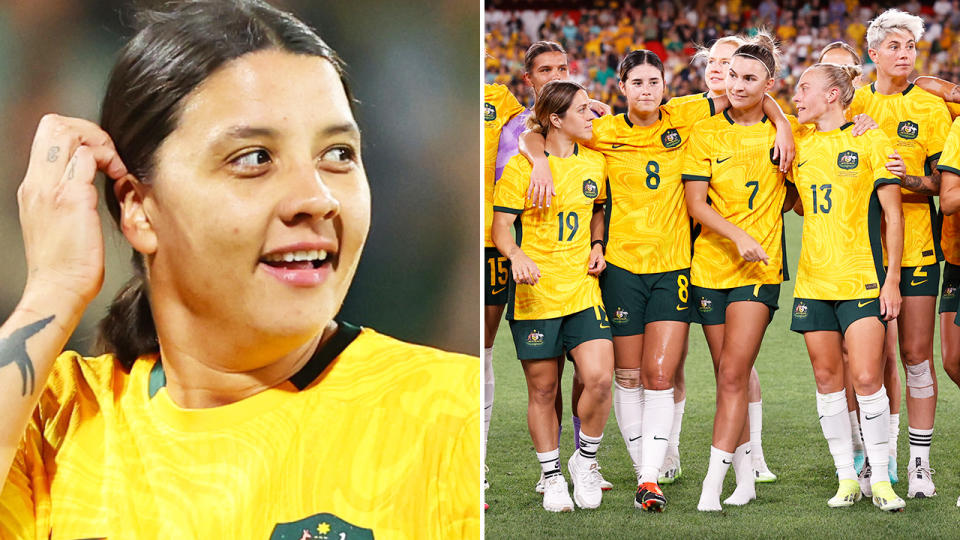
[881,181]
[695,178]
[933,157]
[513,211]
[948,168]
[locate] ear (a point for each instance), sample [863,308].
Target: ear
[526,79]
[555,120]
[833,94]
[872,53]
[135,224]
[769,85]
[622,88]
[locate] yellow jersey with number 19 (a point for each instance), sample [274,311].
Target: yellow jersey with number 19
[950,161]
[499,106]
[837,176]
[747,189]
[556,238]
[648,225]
[373,437]
[917,123]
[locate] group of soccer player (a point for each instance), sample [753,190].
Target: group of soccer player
[629,227]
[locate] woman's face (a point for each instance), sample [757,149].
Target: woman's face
[896,55]
[577,122]
[259,201]
[643,88]
[747,80]
[811,96]
[718,64]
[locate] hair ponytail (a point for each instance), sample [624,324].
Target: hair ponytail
[128,331]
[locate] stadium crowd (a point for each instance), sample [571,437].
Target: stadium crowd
[596,39]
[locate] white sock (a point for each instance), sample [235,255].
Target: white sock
[713,482]
[550,462]
[894,434]
[628,408]
[588,447]
[755,414]
[673,445]
[836,429]
[855,431]
[743,467]
[487,395]
[920,444]
[657,421]
[875,424]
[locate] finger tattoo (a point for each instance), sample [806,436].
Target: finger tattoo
[52,153]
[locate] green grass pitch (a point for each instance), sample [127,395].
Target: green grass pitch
[794,506]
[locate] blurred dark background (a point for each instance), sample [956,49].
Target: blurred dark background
[414,66]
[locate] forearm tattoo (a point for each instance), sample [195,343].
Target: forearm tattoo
[925,185]
[13,350]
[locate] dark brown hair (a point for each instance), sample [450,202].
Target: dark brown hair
[177,47]
[639,57]
[538,48]
[762,48]
[555,98]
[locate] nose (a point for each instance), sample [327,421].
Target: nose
[308,198]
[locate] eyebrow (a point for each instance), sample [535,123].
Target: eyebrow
[250,132]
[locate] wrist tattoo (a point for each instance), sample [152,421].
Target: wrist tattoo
[13,350]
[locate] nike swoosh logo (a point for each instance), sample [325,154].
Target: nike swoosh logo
[498,291]
[868,417]
[635,438]
[801,164]
[861,304]
[615,145]
[722,160]
[681,308]
[747,452]
[821,417]
[725,462]
[915,283]
[659,438]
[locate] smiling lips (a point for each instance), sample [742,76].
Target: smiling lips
[299,268]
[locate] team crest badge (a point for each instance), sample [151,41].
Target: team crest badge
[670,138]
[706,305]
[801,311]
[319,527]
[489,112]
[949,292]
[772,160]
[621,316]
[848,159]
[908,130]
[590,189]
[535,338]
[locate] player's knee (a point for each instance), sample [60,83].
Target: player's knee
[731,380]
[920,380]
[952,367]
[597,383]
[658,381]
[627,378]
[543,393]
[867,381]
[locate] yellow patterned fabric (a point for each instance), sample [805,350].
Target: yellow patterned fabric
[950,161]
[499,106]
[837,175]
[917,123]
[746,189]
[649,228]
[557,238]
[385,442]
[680,100]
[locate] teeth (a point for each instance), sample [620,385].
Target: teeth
[291,256]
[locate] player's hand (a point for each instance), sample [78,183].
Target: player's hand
[58,205]
[862,123]
[890,300]
[524,269]
[599,108]
[597,262]
[896,165]
[751,250]
[541,184]
[784,149]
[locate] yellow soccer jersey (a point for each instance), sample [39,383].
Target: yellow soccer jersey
[950,161]
[680,100]
[373,437]
[837,175]
[917,123]
[648,224]
[747,189]
[499,106]
[557,238]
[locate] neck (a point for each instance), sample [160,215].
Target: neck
[206,368]
[749,115]
[559,144]
[643,118]
[712,94]
[887,85]
[830,119]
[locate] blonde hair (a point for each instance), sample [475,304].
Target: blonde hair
[703,52]
[841,45]
[839,76]
[890,20]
